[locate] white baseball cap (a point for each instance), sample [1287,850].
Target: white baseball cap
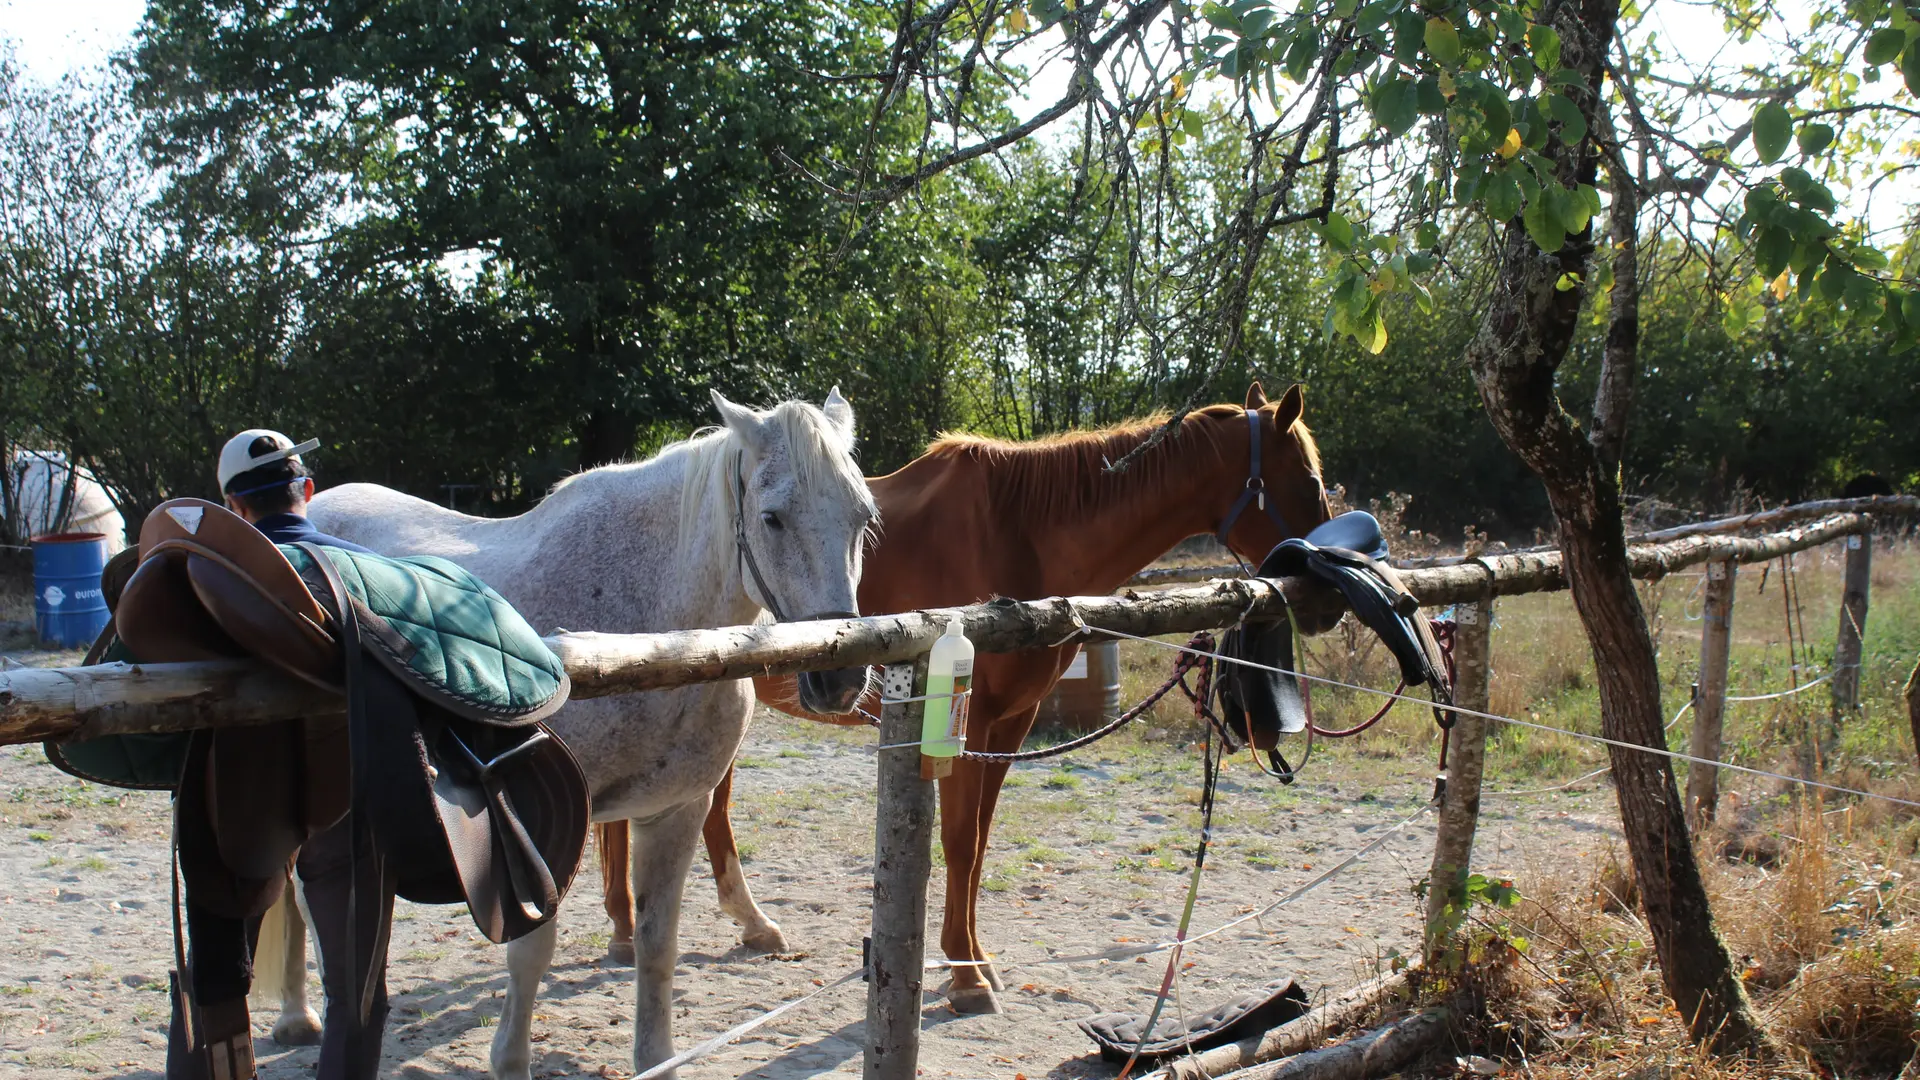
[255,447]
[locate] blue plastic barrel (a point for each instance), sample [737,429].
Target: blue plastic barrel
[69,607]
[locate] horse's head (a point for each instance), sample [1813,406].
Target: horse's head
[801,514]
[1288,476]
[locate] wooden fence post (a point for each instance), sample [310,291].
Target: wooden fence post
[1460,812]
[902,863]
[1710,693]
[1853,625]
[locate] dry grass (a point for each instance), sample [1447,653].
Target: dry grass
[1815,898]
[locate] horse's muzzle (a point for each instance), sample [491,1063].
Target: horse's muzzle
[832,692]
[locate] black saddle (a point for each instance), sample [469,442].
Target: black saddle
[1348,553]
[1250,1014]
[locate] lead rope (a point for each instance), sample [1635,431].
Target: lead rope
[1209,786]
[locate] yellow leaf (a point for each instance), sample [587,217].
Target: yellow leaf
[1446,86]
[1379,341]
[1017,20]
[1179,87]
[1512,146]
[1781,285]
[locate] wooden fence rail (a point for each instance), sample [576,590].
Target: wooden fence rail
[64,703]
[1881,505]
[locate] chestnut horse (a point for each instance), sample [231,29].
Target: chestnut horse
[976,518]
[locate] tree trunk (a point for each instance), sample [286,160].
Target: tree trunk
[1522,339]
[1524,336]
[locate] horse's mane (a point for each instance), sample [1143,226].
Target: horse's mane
[818,455]
[1067,473]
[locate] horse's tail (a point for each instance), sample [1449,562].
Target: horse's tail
[270,955]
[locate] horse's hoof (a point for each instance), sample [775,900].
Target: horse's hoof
[298,1030]
[766,939]
[974,1001]
[620,952]
[993,977]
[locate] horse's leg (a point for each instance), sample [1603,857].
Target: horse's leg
[528,959]
[1006,739]
[662,854]
[963,836]
[280,965]
[610,837]
[756,930]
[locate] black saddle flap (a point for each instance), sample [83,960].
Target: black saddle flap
[1248,1015]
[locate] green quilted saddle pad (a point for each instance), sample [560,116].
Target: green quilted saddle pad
[449,637]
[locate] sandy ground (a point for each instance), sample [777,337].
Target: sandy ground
[1087,856]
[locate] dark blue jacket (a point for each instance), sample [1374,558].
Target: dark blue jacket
[294,529]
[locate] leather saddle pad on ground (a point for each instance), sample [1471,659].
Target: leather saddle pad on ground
[1244,1017]
[473,796]
[1349,554]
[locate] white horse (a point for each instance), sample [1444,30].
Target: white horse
[656,546]
[48,495]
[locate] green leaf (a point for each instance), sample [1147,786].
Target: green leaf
[1432,101]
[1910,308]
[1376,341]
[1573,126]
[1420,264]
[1772,127]
[1426,235]
[1910,67]
[1545,43]
[1408,29]
[1396,105]
[1503,196]
[1603,275]
[1771,251]
[1567,281]
[1884,45]
[1256,23]
[1345,8]
[1542,226]
[1814,138]
[1443,41]
[1338,231]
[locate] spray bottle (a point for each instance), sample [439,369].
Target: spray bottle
[943,724]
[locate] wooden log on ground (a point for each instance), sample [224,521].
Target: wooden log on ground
[54,703]
[1710,704]
[1293,1037]
[1467,752]
[1380,1052]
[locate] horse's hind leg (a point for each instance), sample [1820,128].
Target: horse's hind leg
[611,838]
[280,965]
[528,959]
[756,930]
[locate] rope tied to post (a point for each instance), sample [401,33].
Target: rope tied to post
[1193,655]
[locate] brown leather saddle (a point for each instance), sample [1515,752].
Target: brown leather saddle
[463,798]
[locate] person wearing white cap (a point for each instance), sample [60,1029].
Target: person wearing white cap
[264,480]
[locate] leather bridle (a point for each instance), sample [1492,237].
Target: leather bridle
[767,598]
[1255,492]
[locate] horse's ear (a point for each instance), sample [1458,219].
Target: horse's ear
[839,414]
[1256,397]
[1292,404]
[740,420]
